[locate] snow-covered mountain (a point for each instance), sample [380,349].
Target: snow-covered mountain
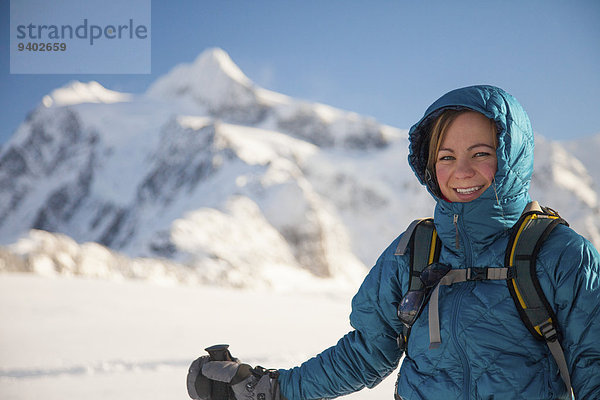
[566,184]
[208,177]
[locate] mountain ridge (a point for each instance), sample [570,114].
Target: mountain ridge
[226,182]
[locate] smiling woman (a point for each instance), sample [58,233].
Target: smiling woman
[467,338]
[462,154]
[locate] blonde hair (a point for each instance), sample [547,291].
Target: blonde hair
[438,132]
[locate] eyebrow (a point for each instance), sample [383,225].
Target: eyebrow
[470,147]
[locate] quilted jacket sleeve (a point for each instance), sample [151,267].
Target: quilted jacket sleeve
[364,356]
[575,279]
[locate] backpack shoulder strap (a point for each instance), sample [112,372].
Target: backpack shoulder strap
[422,240]
[525,242]
[424,244]
[528,235]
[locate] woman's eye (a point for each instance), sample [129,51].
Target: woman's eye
[446,158]
[482,154]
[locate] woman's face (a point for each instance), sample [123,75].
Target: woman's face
[466,162]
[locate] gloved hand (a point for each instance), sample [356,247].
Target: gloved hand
[231,380]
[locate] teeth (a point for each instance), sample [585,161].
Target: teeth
[468,190]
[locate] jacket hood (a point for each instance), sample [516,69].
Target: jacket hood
[500,206]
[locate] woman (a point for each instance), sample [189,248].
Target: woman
[473,150]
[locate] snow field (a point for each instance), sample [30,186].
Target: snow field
[74,338]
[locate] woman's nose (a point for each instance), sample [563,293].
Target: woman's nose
[464,169]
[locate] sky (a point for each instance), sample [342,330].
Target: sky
[385,59]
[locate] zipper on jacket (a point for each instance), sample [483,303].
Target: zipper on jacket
[466,244]
[456,309]
[457,238]
[461,352]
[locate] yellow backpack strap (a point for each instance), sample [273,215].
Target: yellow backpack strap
[529,233]
[422,240]
[404,241]
[425,246]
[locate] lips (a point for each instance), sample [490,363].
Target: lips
[468,190]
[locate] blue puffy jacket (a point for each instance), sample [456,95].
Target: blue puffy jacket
[486,351]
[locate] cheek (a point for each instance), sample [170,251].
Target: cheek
[488,170]
[441,173]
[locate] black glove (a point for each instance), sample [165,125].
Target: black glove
[229,379]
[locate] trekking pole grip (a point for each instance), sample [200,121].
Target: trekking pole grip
[219,352]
